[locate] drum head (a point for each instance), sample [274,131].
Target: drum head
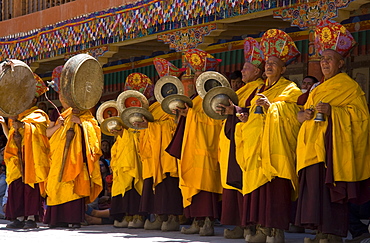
[17,88]
[82,81]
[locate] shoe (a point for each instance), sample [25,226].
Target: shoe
[136,223]
[236,233]
[359,238]
[120,224]
[155,225]
[16,224]
[319,236]
[208,228]
[194,227]
[30,224]
[260,235]
[277,236]
[172,224]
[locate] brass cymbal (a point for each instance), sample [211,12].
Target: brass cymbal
[107,109]
[208,80]
[171,102]
[167,85]
[216,96]
[131,98]
[134,114]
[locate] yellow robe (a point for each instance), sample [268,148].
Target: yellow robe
[265,144]
[35,147]
[224,147]
[199,168]
[126,163]
[79,179]
[350,123]
[153,142]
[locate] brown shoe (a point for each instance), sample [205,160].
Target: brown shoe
[332,239]
[121,224]
[172,224]
[319,236]
[208,228]
[136,223]
[277,236]
[236,233]
[155,225]
[194,227]
[260,236]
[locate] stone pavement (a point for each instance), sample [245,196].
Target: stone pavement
[109,234]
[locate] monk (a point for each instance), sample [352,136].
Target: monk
[77,181]
[265,145]
[332,153]
[231,174]
[27,164]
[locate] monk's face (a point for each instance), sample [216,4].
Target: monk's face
[331,63]
[249,72]
[274,68]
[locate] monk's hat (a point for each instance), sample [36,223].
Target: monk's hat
[216,96]
[208,80]
[166,68]
[114,122]
[166,86]
[175,101]
[135,114]
[275,42]
[40,85]
[131,98]
[55,78]
[253,53]
[333,36]
[140,82]
[201,61]
[107,109]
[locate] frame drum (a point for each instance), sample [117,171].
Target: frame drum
[82,82]
[17,88]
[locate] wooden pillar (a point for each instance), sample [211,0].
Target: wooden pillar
[188,78]
[314,68]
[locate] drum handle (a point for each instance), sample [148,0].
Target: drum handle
[47,98]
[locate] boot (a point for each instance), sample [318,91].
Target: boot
[332,239]
[155,225]
[249,231]
[208,228]
[277,236]
[319,236]
[172,224]
[194,227]
[121,224]
[260,236]
[137,222]
[236,233]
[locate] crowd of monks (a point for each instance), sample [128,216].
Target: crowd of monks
[280,157]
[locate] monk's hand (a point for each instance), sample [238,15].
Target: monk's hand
[142,124]
[181,111]
[308,114]
[60,121]
[324,108]
[243,117]
[76,119]
[2,120]
[263,101]
[225,110]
